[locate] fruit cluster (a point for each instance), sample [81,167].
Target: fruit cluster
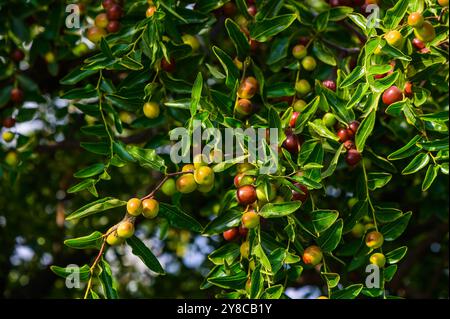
[106,22]
[197,176]
[247,90]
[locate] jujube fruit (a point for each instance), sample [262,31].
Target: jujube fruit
[230,234]
[353,157]
[101,20]
[16,95]
[378,259]
[241,179]
[443,3]
[261,193]
[113,239]
[309,63]
[349,144]
[415,19]
[12,159]
[243,231]
[150,11]
[250,219]
[293,119]
[374,239]
[168,66]
[299,106]
[299,51]
[95,34]
[205,188]
[150,208]
[329,120]
[186,183]
[17,55]
[246,195]
[108,4]
[151,110]
[291,143]
[353,126]
[392,95]
[343,135]
[125,229]
[8,136]
[329,84]
[394,38]
[114,12]
[302,87]
[204,175]
[408,89]
[252,10]
[358,230]
[244,249]
[134,206]
[188,168]
[248,88]
[113,26]
[9,122]
[425,33]
[419,45]
[244,107]
[312,255]
[169,188]
[301,196]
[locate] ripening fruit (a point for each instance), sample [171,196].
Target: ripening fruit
[301,196]
[353,126]
[312,255]
[243,231]
[291,143]
[408,89]
[343,135]
[151,110]
[244,107]
[329,84]
[349,144]
[374,239]
[392,95]
[443,3]
[358,230]
[309,63]
[394,38]
[419,45]
[134,207]
[302,87]
[415,20]
[108,4]
[95,34]
[293,119]
[113,239]
[49,57]
[150,208]
[113,26]
[246,195]
[261,193]
[353,157]
[125,229]
[205,188]
[11,159]
[101,20]
[9,122]
[150,11]
[192,41]
[186,183]
[238,63]
[248,88]
[8,136]
[168,66]
[425,33]
[245,249]
[16,95]
[17,55]
[378,259]
[241,179]
[329,120]
[299,106]
[252,10]
[204,175]
[169,188]
[80,49]
[114,12]
[299,51]
[244,167]
[231,234]
[200,160]
[188,168]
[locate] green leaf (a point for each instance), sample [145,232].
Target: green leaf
[333,164]
[107,280]
[357,73]
[100,148]
[226,220]
[378,180]
[418,162]
[80,93]
[85,184]
[395,14]
[322,130]
[273,210]
[257,283]
[196,93]
[278,50]
[324,54]
[179,219]
[311,109]
[138,248]
[93,240]
[408,150]
[259,252]
[273,292]
[230,69]
[235,281]
[239,39]
[350,292]
[387,214]
[329,240]
[394,256]
[90,171]
[332,279]
[389,272]
[280,89]
[76,76]
[147,158]
[106,50]
[64,272]
[262,30]
[430,176]
[364,130]
[96,207]
[394,229]
[225,254]
[323,219]
[435,145]
[130,63]
[381,85]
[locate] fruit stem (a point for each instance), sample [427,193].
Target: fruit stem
[153,192]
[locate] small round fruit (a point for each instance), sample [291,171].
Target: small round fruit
[443,3]
[113,26]
[329,84]
[150,208]
[150,11]
[134,207]
[204,175]
[186,183]
[114,12]
[8,136]
[108,4]
[252,10]
[49,57]
[353,126]
[343,135]
[250,219]
[16,95]
[329,120]
[352,202]
[291,143]
[244,167]
[101,20]
[231,234]
[245,249]
[419,45]
[80,49]
[293,119]
[299,106]
[246,195]
[299,51]
[12,159]
[243,231]
[378,259]
[302,87]
[125,229]
[200,160]
[113,239]
[392,95]
[261,193]
[394,38]
[374,239]
[17,55]
[206,188]
[192,41]
[241,179]
[353,157]
[238,63]
[188,168]
[95,34]
[309,63]
[169,188]
[415,20]
[9,122]
[244,107]
[248,88]
[151,110]
[425,33]
[349,144]
[168,66]
[408,89]
[312,255]
[301,196]
[358,230]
